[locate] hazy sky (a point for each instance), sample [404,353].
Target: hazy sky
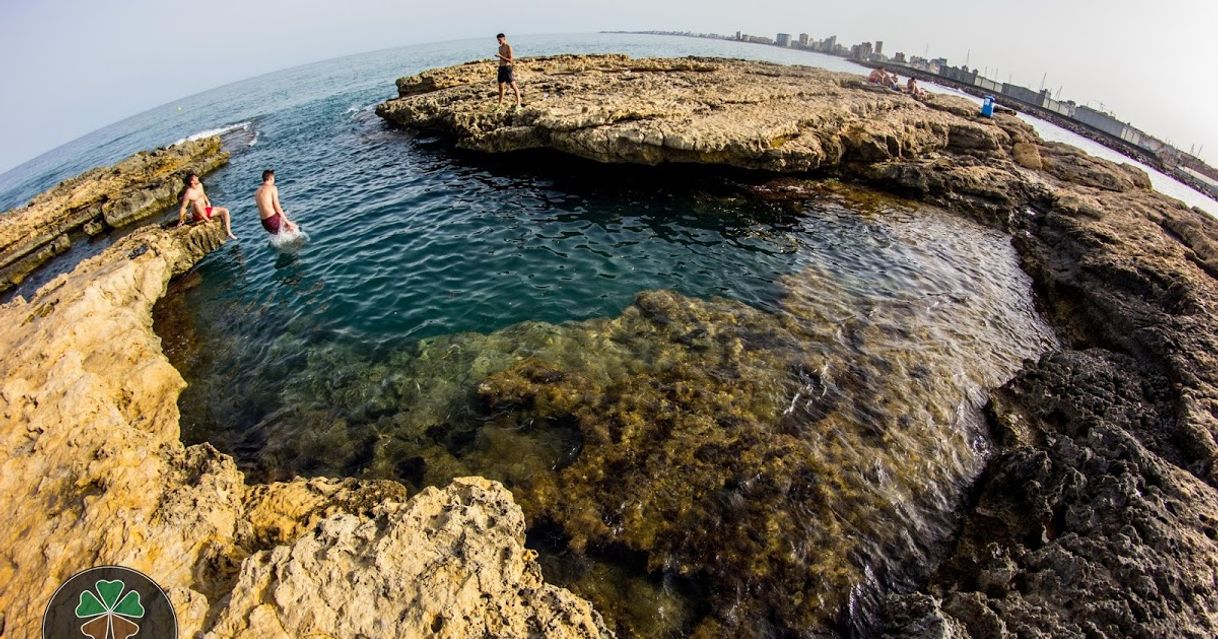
[71,67]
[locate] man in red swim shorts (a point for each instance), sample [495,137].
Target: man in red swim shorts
[195,198]
[267,197]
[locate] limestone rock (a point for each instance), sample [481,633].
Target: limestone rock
[92,472]
[752,115]
[1027,156]
[450,563]
[1083,528]
[1097,517]
[136,188]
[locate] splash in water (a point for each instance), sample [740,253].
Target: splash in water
[288,240]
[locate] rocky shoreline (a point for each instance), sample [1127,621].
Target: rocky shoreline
[1096,518]
[97,201]
[93,472]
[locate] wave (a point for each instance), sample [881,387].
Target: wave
[240,126]
[358,112]
[288,241]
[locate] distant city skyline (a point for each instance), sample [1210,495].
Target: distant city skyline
[72,68]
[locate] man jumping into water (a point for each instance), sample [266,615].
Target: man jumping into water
[506,66]
[267,197]
[195,198]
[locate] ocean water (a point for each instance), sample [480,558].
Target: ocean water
[722,414]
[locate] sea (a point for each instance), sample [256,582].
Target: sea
[722,413]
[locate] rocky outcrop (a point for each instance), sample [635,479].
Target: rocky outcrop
[448,563]
[1083,528]
[92,472]
[751,115]
[135,189]
[1096,517]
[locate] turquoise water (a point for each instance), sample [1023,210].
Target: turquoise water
[721,414]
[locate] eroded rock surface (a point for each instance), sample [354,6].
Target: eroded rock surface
[751,115]
[139,187]
[92,472]
[789,461]
[1096,517]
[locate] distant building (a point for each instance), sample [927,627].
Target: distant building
[987,84]
[1062,108]
[803,40]
[783,40]
[962,75]
[737,35]
[879,47]
[861,51]
[1135,136]
[1023,94]
[1100,120]
[899,58]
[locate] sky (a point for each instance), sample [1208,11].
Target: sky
[70,67]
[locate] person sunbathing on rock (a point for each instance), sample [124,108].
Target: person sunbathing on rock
[877,76]
[913,89]
[195,198]
[267,197]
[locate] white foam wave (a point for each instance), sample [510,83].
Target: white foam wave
[240,126]
[358,111]
[287,240]
[255,140]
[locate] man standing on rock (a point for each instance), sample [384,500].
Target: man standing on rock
[195,198]
[267,197]
[506,75]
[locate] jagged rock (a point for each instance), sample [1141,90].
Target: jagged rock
[1027,156]
[132,190]
[449,563]
[16,271]
[752,115]
[1096,518]
[1087,525]
[92,472]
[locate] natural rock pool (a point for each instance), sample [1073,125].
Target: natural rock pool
[719,413]
[728,404]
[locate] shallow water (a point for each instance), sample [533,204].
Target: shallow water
[787,426]
[721,415]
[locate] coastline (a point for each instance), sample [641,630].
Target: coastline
[1125,275]
[99,201]
[95,473]
[1179,173]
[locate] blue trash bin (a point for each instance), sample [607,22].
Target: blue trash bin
[987,107]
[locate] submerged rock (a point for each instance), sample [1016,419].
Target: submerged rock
[139,187]
[94,473]
[771,468]
[1085,527]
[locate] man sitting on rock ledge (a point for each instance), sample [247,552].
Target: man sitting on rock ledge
[196,198]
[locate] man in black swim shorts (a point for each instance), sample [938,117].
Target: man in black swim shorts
[506,77]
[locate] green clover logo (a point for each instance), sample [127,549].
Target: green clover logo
[110,617]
